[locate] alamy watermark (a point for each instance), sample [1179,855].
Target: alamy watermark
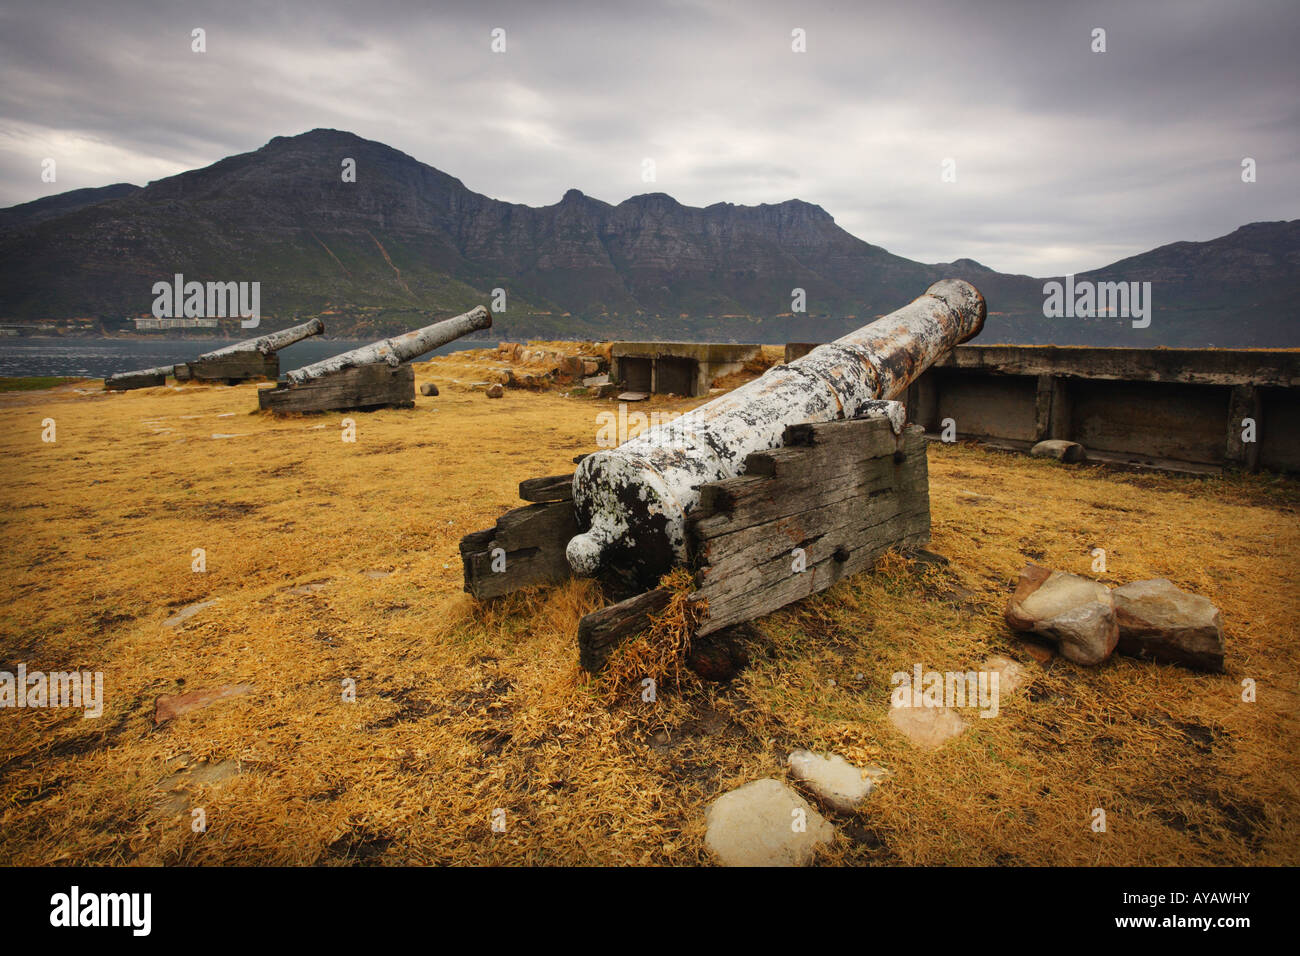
[54,689]
[1090,300]
[613,429]
[75,908]
[949,689]
[215,300]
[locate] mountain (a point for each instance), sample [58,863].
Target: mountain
[38,210]
[406,243]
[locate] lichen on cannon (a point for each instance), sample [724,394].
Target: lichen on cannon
[632,501]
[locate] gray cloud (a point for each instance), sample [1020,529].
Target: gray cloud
[1066,159]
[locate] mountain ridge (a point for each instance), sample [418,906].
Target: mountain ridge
[407,243]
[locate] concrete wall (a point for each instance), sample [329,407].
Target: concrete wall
[1161,407]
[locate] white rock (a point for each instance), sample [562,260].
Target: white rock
[185,613]
[1075,612]
[927,727]
[1059,448]
[1011,675]
[764,823]
[836,782]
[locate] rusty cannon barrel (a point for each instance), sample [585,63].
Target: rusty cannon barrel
[399,349]
[633,500]
[271,342]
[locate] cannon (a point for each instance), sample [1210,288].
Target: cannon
[632,502]
[373,376]
[141,378]
[400,348]
[251,358]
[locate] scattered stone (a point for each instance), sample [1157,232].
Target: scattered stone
[166,708]
[313,587]
[1060,449]
[927,727]
[376,574]
[200,774]
[593,381]
[1075,612]
[495,391]
[1160,622]
[571,367]
[633,396]
[757,825]
[835,782]
[185,613]
[428,388]
[972,497]
[231,435]
[1011,675]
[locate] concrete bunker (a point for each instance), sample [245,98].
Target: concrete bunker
[676,368]
[1177,409]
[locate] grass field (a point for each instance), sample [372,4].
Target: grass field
[334,561]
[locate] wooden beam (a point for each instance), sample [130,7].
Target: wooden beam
[601,632]
[351,389]
[553,488]
[525,548]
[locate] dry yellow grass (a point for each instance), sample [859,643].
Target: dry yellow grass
[464,709]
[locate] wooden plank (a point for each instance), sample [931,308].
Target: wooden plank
[235,366]
[844,492]
[766,591]
[548,526]
[352,389]
[531,540]
[601,632]
[853,517]
[554,488]
[818,477]
[872,434]
[762,499]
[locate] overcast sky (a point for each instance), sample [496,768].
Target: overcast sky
[1065,159]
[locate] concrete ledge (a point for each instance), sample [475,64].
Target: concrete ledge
[1190,366]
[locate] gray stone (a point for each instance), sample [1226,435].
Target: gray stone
[428,388]
[1076,613]
[835,782]
[1060,449]
[1160,622]
[764,823]
[495,391]
[185,613]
